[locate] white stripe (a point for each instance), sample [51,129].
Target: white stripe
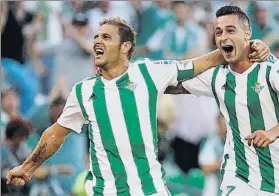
[270,121]
[142,100]
[242,113]
[121,136]
[229,145]
[104,164]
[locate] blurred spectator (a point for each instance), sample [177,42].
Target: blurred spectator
[261,28]
[10,103]
[78,47]
[275,49]
[196,117]
[184,38]
[210,158]
[72,152]
[13,152]
[166,118]
[16,34]
[147,23]
[106,9]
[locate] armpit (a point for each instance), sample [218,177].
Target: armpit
[179,89]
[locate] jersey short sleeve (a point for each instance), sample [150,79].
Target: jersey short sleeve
[169,72]
[72,117]
[274,76]
[201,84]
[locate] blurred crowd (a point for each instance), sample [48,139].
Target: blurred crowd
[47,48]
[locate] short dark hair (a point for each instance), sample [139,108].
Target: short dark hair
[18,127]
[126,32]
[58,101]
[233,10]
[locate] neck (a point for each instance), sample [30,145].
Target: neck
[243,64]
[115,71]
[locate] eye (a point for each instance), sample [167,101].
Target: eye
[231,30]
[218,33]
[106,37]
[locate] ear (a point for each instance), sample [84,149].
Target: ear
[125,47]
[248,34]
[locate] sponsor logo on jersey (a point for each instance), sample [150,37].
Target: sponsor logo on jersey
[131,86]
[257,87]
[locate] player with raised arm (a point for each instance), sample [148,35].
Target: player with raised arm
[120,108]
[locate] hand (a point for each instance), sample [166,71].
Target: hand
[18,176]
[261,138]
[260,51]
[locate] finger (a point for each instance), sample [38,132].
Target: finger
[265,143]
[256,140]
[18,181]
[260,142]
[253,54]
[262,55]
[8,178]
[255,45]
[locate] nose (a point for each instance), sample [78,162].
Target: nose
[224,36]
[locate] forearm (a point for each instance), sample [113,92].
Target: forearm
[275,131]
[207,61]
[211,168]
[48,145]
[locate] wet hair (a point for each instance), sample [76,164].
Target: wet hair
[18,127]
[234,10]
[126,32]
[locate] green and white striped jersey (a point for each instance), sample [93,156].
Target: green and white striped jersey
[122,116]
[249,102]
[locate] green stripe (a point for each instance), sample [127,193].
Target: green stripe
[108,140]
[153,95]
[242,169]
[213,84]
[131,116]
[98,188]
[257,123]
[186,74]
[222,172]
[273,93]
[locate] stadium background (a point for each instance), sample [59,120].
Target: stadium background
[46,49]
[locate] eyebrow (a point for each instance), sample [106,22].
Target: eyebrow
[101,34]
[229,26]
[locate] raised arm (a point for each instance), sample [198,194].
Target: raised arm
[49,144]
[207,61]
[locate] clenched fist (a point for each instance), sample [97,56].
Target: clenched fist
[18,176]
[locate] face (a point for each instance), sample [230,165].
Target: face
[181,11]
[231,37]
[83,30]
[106,46]
[10,101]
[262,16]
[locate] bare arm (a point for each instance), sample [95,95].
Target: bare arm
[49,144]
[213,168]
[207,61]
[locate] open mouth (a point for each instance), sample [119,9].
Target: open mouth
[228,48]
[99,52]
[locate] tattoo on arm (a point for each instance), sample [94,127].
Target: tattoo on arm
[36,157]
